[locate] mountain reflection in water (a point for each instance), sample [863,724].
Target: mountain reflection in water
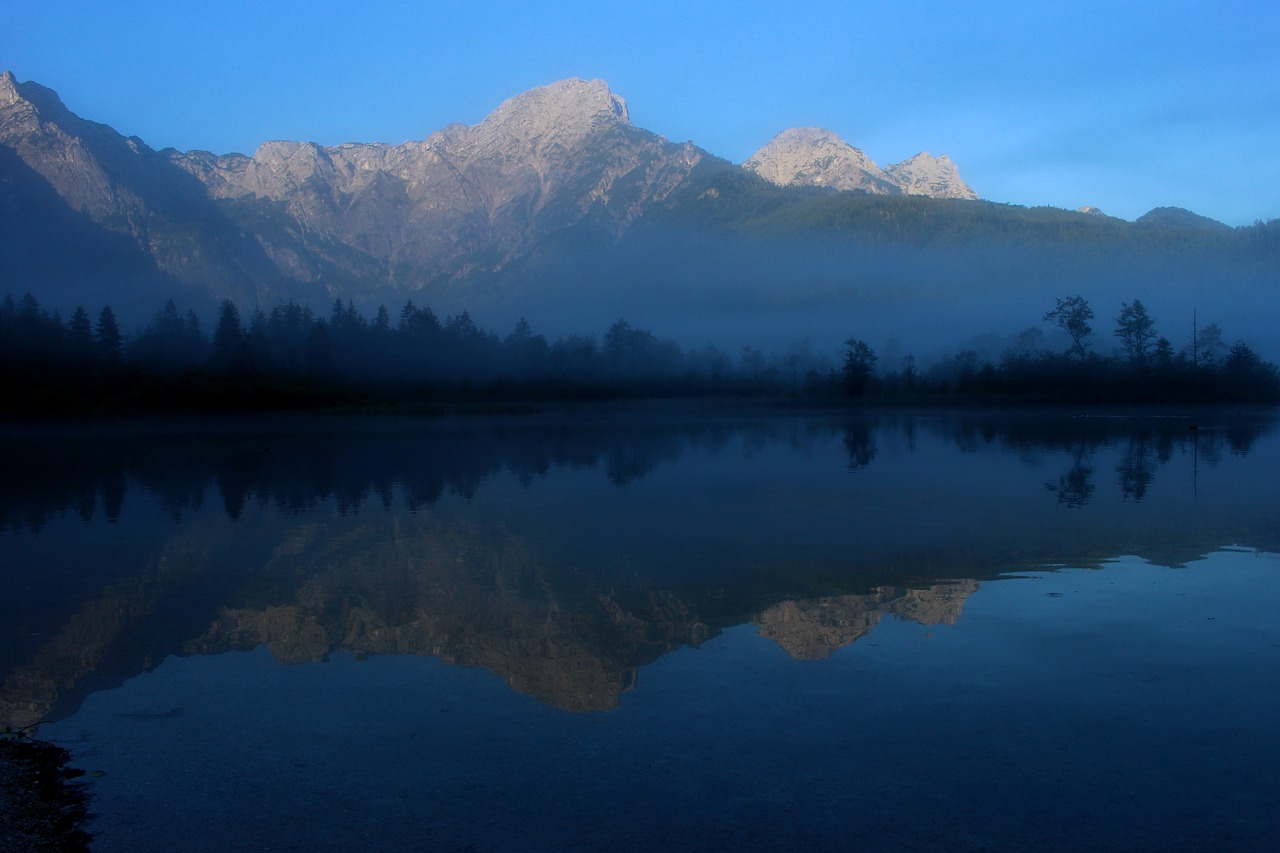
[564,553]
[654,564]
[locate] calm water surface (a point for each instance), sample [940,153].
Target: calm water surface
[655,629]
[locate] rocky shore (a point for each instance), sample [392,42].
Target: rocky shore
[41,807]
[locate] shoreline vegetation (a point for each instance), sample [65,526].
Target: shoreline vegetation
[290,359]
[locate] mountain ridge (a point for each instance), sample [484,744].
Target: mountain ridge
[116,187]
[557,206]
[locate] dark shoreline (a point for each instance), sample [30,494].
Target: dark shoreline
[42,807]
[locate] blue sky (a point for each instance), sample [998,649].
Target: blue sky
[1123,105]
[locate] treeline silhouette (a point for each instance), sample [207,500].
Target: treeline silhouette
[292,358]
[289,357]
[1143,368]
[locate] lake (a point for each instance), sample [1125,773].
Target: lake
[655,628]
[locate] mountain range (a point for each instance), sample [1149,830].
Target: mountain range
[554,206]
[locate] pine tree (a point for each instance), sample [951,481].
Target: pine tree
[108,340]
[228,337]
[80,335]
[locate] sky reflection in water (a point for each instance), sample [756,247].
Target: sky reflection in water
[789,630]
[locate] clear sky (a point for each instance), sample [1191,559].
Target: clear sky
[1122,105]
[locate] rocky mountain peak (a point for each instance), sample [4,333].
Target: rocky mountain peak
[542,161]
[814,156]
[35,97]
[29,108]
[281,167]
[935,177]
[566,111]
[20,115]
[796,136]
[8,89]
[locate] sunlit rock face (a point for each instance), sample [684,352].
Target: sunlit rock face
[815,157]
[558,163]
[83,161]
[812,156]
[813,629]
[465,198]
[354,217]
[926,175]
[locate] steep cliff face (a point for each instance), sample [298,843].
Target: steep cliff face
[815,157]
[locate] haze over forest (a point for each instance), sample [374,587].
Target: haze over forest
[559,210]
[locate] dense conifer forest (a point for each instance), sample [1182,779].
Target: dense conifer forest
[292,358]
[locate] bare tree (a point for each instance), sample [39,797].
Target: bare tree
[1072,314]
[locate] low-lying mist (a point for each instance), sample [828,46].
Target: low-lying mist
[732,291]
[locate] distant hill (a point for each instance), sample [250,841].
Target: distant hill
[1178,217]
